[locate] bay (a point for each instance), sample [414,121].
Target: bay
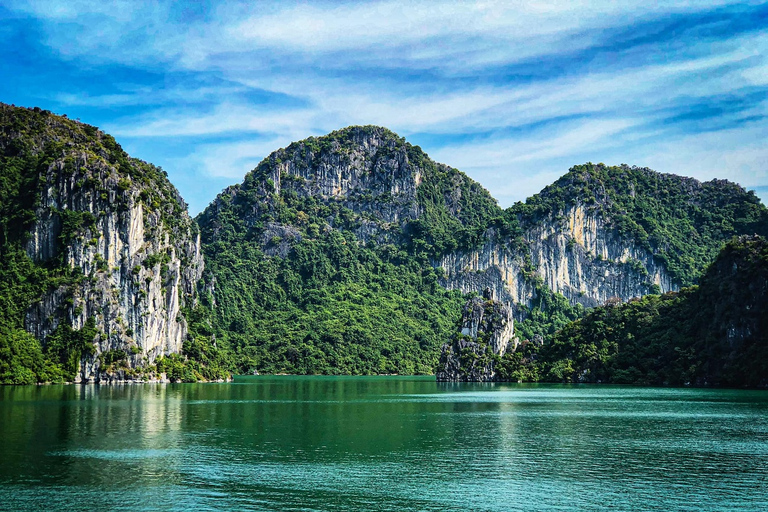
[380,444]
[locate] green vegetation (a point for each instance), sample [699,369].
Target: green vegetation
[66,347]
[331,306]
[684,223]
[711,334]
[330,303]
[317,282]
[548,313]
[299,291]
[37,150]
[455,211]
[202,358]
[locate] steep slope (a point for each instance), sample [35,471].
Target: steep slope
[601,232]
[335,255]
[357,228]
[98,255]
[320,256]
[712,334]
[365,180]
[485,334]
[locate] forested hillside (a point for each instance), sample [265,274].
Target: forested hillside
[329,257]
[351,253]
[715,333]
[321,256]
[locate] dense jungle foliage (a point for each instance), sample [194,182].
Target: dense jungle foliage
[309,280]
[315,298]
[295,271]
[25,153]
[715,333]
[682,221]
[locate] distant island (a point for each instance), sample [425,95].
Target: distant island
[356,254]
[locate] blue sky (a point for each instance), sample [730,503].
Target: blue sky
[512,93]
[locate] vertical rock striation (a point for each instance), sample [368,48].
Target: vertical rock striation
[576,254]
[116,228]
[365,170]
[486,332]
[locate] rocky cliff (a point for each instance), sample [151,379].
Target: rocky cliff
[323,250]
[361,207]
[338,254]
[370,181]
[486,333]
[575,253]
[115,229]
[605,232]
[713,334]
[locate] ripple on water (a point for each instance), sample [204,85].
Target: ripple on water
[384,445]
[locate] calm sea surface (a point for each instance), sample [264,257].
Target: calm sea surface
[381,443]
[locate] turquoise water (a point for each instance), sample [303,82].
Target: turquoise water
[380,444]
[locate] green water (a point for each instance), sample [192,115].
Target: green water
[390,443]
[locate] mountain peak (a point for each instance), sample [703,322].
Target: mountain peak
[365,173]
[105,248]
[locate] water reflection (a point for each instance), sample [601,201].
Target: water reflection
[282,443]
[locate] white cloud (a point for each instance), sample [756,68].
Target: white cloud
[232,160]
[225,118]
[414,33]
[422,67]
[515,168]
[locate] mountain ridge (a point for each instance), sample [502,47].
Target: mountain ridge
[713,334]
[347,253]
[547,257]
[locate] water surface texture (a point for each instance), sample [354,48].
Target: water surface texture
[381,443]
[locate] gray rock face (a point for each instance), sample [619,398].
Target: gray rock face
[575,254]
[366,171]
[140,264]
[486,331]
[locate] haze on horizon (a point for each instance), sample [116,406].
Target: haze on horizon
[512,93]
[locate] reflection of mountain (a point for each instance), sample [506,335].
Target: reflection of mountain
[97,436]
[126,435]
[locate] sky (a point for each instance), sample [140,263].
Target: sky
[512,93]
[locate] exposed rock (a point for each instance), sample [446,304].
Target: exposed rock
[577,255]
[486,333]
[118,223]
[367,171]
[277,239]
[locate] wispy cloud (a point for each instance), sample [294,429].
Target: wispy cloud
[511,92]
[223,118]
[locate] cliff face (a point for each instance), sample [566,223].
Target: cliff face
[382,190]
[364,170]
[576,254]
[369,181]
[117,228]
[485,333]
[362,205]
[601,232]
[713,334]
[582,257]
